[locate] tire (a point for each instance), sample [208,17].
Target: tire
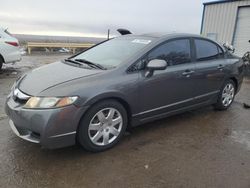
[102,126]
[226,95]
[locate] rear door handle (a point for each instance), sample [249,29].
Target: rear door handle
[187,73]
[220,66]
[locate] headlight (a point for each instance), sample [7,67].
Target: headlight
[49,102]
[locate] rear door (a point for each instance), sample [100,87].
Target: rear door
[169,89]
[210,68]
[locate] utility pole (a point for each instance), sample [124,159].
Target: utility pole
[108,33]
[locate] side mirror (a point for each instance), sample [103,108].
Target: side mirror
[155,64]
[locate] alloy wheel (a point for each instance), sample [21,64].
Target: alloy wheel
[105,126]
[228,94]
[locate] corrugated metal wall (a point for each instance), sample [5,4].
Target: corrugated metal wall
[220,19]
[242,32]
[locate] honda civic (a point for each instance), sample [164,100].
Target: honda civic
[92,97]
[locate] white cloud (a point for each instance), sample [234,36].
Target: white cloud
[94,17]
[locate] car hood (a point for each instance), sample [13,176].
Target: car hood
[54,74]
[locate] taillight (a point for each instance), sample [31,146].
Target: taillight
[12,43]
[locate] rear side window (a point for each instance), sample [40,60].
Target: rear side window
[173,52]
[206,50]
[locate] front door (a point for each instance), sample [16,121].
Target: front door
[171,88]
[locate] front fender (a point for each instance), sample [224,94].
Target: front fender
[101,96]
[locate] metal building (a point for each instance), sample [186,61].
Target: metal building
[228,21]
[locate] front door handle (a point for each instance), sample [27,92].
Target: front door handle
[220,66]
[187,73]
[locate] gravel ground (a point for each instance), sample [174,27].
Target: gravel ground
[201,148]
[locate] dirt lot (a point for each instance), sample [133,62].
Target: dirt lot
[202,148]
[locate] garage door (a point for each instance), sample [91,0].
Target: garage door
[242,34]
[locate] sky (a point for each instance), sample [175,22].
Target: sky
[92,18]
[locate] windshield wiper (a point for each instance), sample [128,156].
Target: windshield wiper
[72,61]
[91,63]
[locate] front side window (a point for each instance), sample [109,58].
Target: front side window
[206,50]
[173,52]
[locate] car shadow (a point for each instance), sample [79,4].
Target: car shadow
[168,133]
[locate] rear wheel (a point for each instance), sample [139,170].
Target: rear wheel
[226,96]
[102,126]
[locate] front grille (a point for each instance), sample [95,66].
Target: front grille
[18,100]
[20,97]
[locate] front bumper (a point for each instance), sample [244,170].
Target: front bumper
[52,128]
[26,134]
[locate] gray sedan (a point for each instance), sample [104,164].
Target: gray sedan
[94,96]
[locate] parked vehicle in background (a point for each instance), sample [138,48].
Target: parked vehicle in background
[9,48]
[92,97]
[64,50]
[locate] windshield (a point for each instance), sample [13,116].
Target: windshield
[113,52]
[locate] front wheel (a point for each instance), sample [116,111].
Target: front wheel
[102,126]
[226,96]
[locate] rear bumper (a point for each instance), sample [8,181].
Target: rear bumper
[51,128]
[12,56]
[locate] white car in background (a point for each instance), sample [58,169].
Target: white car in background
[9,48]
[64,50]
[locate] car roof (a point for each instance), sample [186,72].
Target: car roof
[166,35]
